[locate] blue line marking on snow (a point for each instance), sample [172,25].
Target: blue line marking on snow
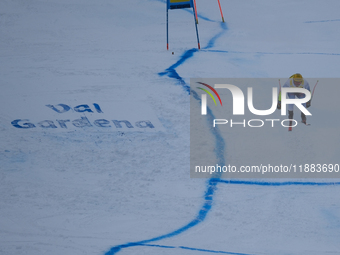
[220,151]
[198,15]
[208,197]
[212,41]
[273,53]
[332,217]
[172,73]
[211,183]
[288,183]
[194,249]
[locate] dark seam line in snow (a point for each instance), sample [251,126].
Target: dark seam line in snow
[321,21]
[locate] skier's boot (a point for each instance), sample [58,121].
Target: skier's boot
[303,118]
[290,115]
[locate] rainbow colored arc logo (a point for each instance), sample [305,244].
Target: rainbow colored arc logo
[209,93]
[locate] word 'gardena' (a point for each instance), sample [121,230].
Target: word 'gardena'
[81,122]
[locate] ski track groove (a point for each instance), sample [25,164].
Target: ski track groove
[220,146]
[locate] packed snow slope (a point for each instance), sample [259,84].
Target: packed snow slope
[94,122]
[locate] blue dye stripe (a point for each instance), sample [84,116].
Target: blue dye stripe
[211,183]
[288,183]
[272,53]
[211,187]
[194,249]
[199,16]
[208,198]
[172,73]
[212,41]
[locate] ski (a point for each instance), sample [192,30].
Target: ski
[312,94]
[290,128]
[314,89]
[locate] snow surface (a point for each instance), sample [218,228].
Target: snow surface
[100,189]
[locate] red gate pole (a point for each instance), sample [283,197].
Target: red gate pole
[219,4]
[196,12]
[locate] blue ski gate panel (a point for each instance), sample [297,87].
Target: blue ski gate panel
[179,4]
